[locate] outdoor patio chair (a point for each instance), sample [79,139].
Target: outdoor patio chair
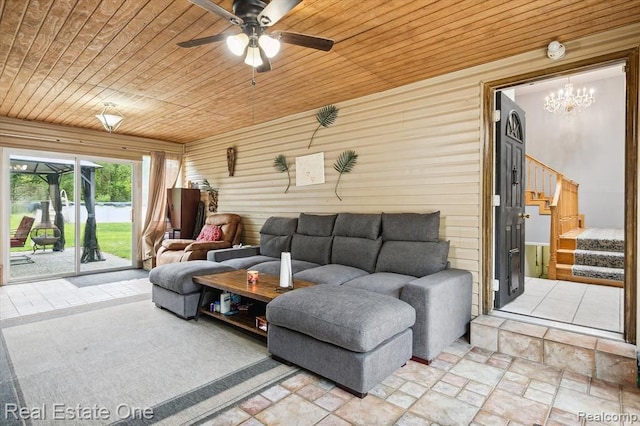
[19,237]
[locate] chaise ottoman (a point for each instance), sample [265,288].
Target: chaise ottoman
[173,286]
[351,336]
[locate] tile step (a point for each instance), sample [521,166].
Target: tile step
[602,358]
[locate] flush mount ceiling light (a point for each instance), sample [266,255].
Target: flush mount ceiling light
[555,50]
[110,117]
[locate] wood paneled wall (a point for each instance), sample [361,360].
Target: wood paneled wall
[419,149]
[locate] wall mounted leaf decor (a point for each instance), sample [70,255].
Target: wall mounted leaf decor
[326,116]
[344,164]
[282,165]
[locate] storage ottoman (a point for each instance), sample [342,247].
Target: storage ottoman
[353,337]
[173,286]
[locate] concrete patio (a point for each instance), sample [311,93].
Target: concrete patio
[53,263]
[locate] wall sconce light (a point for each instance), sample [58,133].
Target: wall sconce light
[110,117]
[555,50]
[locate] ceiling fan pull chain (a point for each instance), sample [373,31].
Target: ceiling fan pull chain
[253,95]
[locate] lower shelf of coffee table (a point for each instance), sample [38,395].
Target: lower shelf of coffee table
[241,320]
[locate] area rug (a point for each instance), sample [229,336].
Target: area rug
[129,363]
[107,277]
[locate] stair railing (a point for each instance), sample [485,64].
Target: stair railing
[560,195]
[564,217]
[541,179]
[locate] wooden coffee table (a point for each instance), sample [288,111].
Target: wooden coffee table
[267,289]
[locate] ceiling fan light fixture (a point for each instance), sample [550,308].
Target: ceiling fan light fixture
[110,117]
[253,57]
[270,45]
[237,43]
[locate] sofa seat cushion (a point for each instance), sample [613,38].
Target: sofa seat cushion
[386,283]
[273,267]
[247,262]
[351,318]
[178,277]
[330,274]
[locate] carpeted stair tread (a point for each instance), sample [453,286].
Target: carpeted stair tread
[615,274]
[606,259]
[601,239]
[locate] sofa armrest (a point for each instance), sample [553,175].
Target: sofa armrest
[207,245]
[176,244]
[443,310]
[232,253]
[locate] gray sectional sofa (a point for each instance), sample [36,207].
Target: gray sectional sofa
[397,254]
[385,292]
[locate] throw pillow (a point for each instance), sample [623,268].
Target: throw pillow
[210,233]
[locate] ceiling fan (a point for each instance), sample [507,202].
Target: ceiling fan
[254,17]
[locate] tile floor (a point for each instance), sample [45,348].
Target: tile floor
[586,305]
[31,298]
[463,385]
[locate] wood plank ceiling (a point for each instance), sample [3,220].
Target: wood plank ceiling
[61,59]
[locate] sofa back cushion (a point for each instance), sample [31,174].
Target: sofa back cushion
[357,225]
[276,234]
[416,258]
[316,225]
[356,240]
[410,226]
[313,237]
[230,226]
[310,248]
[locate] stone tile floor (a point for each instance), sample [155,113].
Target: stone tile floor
[464,385]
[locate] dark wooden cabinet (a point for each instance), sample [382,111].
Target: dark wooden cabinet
[182,206]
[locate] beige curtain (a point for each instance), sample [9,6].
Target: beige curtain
[164,172]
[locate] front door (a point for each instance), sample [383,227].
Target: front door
[510,180]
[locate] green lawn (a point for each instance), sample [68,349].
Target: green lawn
[113,238]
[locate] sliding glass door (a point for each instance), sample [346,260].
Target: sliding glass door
[107,229]
[68,215]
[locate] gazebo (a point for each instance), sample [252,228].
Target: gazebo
[50,170]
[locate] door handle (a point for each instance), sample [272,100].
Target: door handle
[524,215]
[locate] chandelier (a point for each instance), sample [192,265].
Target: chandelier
[568,101]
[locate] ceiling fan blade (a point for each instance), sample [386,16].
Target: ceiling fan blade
[203,40]
[212,7]
[275,11]
[304,40]
[266,63]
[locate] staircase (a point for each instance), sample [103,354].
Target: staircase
[592,256]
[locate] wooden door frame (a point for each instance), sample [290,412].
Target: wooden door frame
[630,58]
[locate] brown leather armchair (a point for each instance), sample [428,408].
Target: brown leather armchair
[183,250]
